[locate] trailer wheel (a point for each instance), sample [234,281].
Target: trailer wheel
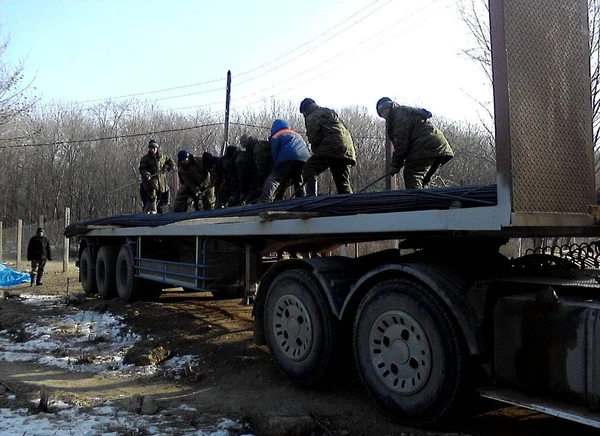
[87,276]
[298,326]
[105,272]
[127,284]
[408,353]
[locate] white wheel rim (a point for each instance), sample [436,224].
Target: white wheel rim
[400,352]
[292,328]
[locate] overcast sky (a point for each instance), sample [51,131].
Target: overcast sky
[339,52]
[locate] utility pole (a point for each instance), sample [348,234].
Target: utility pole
[227,101]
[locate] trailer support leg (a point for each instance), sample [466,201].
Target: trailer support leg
[249,284]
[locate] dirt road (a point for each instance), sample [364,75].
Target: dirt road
[232,378]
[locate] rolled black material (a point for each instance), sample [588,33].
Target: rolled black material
[329,205]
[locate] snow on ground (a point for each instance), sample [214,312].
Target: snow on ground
[88,341]
[84,341]
[70,420]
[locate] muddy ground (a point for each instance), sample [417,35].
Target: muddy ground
[235,379]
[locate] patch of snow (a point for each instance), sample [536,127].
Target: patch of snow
[102,421]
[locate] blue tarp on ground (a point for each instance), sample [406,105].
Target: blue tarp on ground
[10,277]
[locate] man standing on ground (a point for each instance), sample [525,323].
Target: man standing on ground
[419,146]
[153,168]
[331,146]
[38,251]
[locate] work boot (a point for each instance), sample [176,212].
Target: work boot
[311,187]
[151,207]
[32,278]
[269,191]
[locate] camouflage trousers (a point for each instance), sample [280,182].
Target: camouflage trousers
[340,171]
[206,201]
[37,270]
[417,173]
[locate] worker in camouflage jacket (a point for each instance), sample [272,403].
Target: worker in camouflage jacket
[247,169]
[254,165]
[153,169]
[194,183]
[419,146]
[227,183]
[331,146]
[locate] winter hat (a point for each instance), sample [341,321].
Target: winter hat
[243,139]
[40,230]
[305,104]
[183,154]
[152,143]
[384,103]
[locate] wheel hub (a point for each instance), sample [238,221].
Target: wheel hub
[292,327]
[400,352]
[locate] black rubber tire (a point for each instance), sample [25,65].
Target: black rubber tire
[105,272]
[408,353]
[296,308]
[127,284]
[87,275]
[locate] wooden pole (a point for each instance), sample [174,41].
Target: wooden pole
[66,241]
[227,101]
[19,242]
[41,222]
[1,245]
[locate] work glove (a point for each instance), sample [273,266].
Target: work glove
[394,170]
[197,192]
[50,259]
[147,176]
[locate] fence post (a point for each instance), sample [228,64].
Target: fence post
[19,242]
[1,246]
[66,241]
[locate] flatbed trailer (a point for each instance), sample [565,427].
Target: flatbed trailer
[445,317]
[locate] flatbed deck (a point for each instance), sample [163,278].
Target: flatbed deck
[462,211]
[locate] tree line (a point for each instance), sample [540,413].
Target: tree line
[87,159]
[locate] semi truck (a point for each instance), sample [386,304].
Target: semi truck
[443,317]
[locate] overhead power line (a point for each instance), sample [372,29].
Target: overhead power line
[255,68]
[132,135]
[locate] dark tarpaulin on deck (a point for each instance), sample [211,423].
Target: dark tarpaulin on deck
[325,205]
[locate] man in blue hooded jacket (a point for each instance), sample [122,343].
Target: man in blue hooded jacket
[289,152]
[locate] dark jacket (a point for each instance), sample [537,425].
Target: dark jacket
[193,175]
[286,144]
[157,165]
[38,248]
[327,134]
[414,136]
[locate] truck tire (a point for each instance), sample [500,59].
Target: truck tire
[105,272]
[127,284]
[298,327]
[87,275]
[408,353]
